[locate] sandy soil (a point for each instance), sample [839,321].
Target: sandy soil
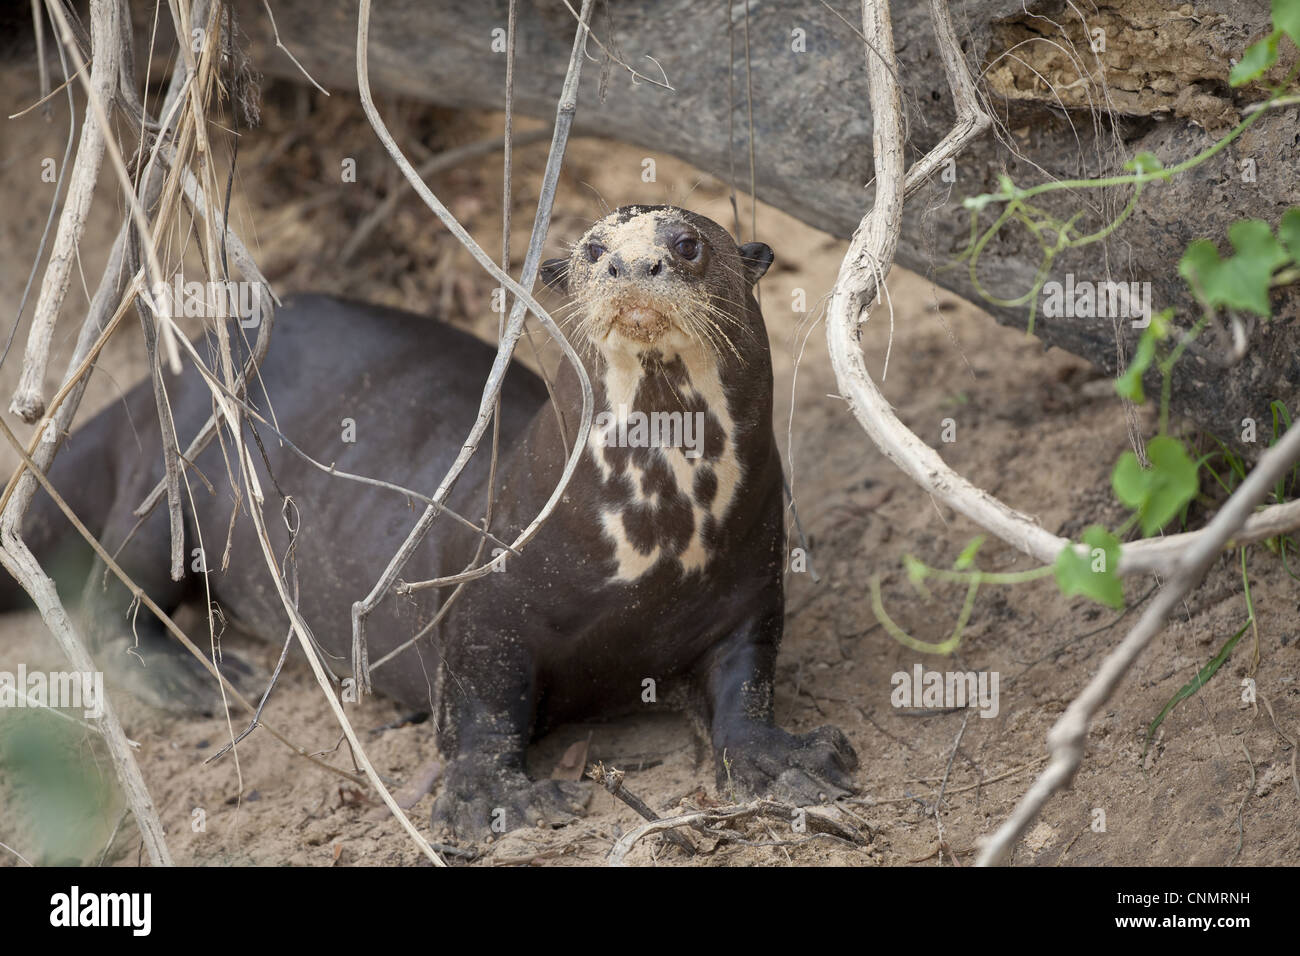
[1039,429]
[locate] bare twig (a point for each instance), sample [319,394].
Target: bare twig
[287,52]
[99,107]
[565,111]
[869,256]
[1067,738]
[1158,555]
[105,25]
[612,780]
[58,186]
[637,76]
[166,427]
[816,820]
[22,564]
[50,95]
[106,311]
[435,164]
[107,39]
[6,846]
[38,26]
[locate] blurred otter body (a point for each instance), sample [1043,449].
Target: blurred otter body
[663,561]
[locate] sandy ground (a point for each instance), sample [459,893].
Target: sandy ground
[1039,429]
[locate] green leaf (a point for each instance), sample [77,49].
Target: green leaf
[1254,238]
[1160,492]
[1092,576]
[1145,163]
[1286,17]
[1177,481]
[967,556]
[1288,230]
[1195,684]
[1242,280]
[1129,385]
[1255,61]
[56,796]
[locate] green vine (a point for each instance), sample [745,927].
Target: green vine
[1054,236]
[1162,487]
[963,571]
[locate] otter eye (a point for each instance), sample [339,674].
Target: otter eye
[594,251]
[686,247]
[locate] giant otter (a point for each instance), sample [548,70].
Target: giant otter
[662,563]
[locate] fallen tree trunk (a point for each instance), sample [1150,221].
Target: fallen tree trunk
[1076,93]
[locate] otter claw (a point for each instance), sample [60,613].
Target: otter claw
[801,769]
[481,799]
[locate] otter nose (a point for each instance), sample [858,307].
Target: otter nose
[641,267]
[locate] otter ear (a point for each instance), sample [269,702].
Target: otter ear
[555,273]
[756,256]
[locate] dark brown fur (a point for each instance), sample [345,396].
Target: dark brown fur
[558,635]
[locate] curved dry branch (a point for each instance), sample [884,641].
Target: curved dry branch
[1158,555]
[869,257]
[564,114]
[1186,557]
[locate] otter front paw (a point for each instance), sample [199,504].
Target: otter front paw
[167,676]
[484,797]
[800,769]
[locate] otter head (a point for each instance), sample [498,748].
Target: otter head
[660,278]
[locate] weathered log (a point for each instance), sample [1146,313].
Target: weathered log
[1159,86]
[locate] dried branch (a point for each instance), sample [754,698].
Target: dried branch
[166,427]
[565,111]
[1066,740]
[1159,555]
[816,819]
[287,52]
[107,39]
[439,162]
[637,76]
[106,32]
[58,186]
[869,257]
[96,329]
[22,564]
[99,108]
[612,780]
